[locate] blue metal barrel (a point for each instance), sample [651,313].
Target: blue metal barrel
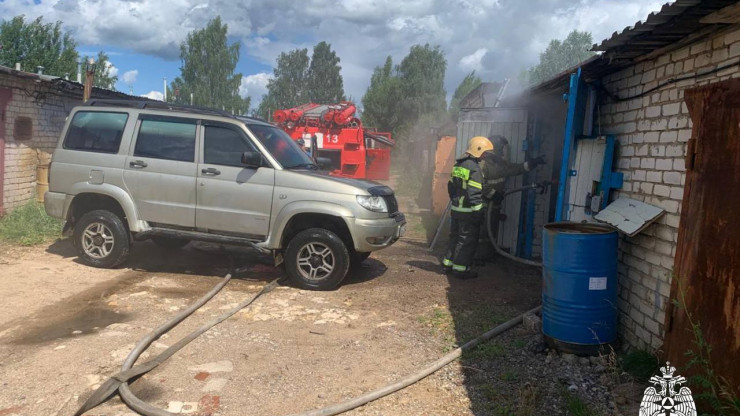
[579,286]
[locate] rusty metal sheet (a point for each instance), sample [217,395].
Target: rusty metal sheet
[707,263]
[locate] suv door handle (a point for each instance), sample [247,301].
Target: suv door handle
[138,164]
[210,171]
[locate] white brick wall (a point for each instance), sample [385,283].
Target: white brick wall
[652,132]
[47,109]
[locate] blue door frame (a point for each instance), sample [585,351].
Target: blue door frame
[576,98]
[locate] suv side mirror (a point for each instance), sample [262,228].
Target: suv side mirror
[323,162]
[252,159]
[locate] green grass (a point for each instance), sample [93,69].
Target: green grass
[472,322]
[441,322]
[487,350]
[519,343]
[509,376]
[576,406]
[494,403]
[639,364]
[461,325]
[29,225]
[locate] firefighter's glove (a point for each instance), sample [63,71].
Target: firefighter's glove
[497,197]
[542,186]
[533,163]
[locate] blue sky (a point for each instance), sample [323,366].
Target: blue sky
[496,38]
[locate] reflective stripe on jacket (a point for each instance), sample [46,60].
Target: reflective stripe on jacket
[465,187]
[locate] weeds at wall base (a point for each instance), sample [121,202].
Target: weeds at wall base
[29,225]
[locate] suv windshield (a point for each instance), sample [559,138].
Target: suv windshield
[281,146]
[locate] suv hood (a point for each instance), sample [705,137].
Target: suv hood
[323,182]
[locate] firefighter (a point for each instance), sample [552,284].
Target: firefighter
[465,189]
[495,169]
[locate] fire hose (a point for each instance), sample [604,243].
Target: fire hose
[119,382]
[489,228]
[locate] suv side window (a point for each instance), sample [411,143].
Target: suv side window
[95,131]
[224,145]
[166,138]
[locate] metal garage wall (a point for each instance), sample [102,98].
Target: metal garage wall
[512,124]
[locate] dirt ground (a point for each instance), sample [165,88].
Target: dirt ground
[66,327]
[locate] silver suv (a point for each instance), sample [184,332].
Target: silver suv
[126,171]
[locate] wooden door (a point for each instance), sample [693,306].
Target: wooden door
[707,264]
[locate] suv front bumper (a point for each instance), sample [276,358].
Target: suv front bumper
[371,235]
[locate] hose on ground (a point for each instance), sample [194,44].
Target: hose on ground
[129,372]
[413,378]
[145,408]
[119,381]
[498,249]
[107,389]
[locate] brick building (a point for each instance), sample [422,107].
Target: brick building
[33,109]
[653,131]
[640,89]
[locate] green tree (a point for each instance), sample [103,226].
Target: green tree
[103,77]
[381,102]
[560,56]
[422,73]
[208,64]
[37,44]
[288,87]
[324,80]
[469,83]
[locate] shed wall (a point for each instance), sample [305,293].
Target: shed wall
[47,110]
[652,132]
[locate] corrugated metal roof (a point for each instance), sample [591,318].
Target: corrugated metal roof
[675,22]
[672,23]
[65,85]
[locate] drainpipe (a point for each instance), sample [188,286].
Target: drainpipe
[6,94]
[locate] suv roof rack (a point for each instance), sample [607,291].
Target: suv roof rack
[157,105]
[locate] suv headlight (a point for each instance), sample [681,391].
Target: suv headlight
[373,203]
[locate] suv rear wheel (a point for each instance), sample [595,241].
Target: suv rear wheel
[317,259]
[102,239]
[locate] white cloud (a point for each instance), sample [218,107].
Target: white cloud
[129,77]
[154,95]
[111,69]
[254,86]
[473,62]
[363,33]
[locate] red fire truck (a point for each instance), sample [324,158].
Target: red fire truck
[355,151]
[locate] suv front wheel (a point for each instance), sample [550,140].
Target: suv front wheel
[102,239]
[317,259]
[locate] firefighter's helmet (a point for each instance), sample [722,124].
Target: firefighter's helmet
[478,145]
